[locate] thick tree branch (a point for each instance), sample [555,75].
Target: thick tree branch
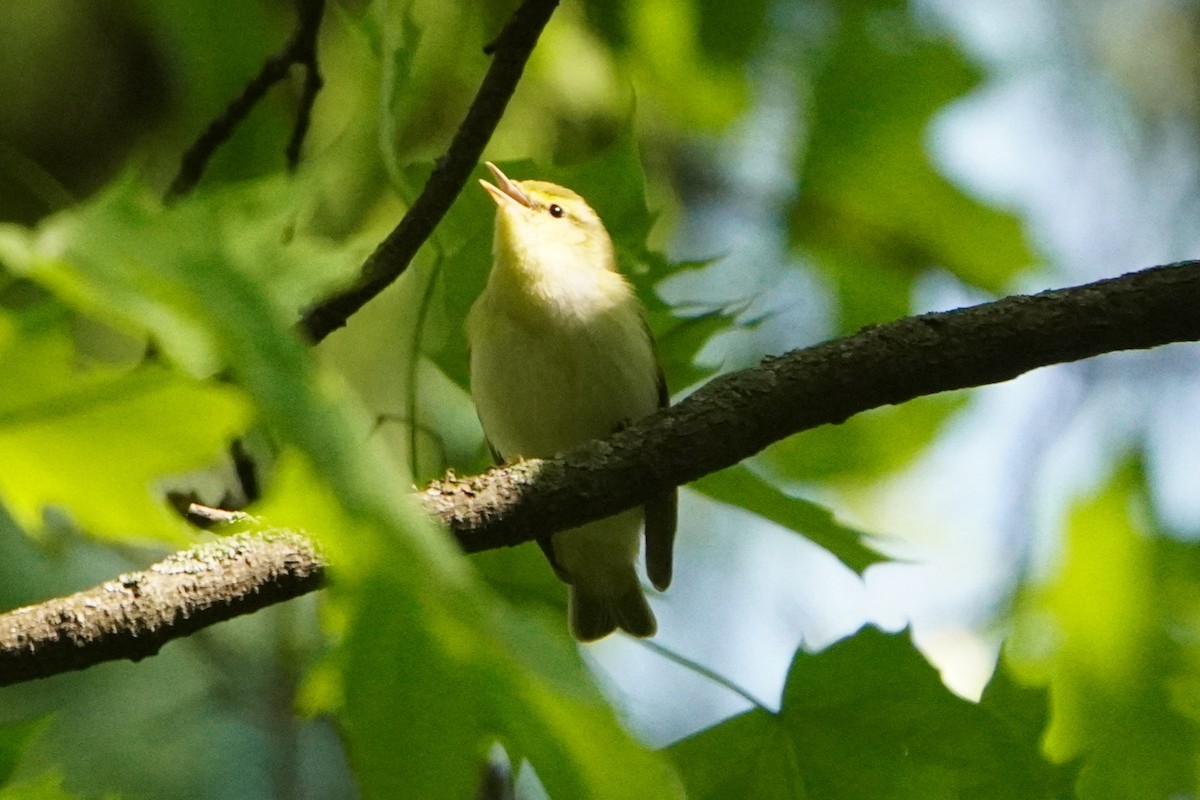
[724,422]
[134,615]
[510,52]
[737,415]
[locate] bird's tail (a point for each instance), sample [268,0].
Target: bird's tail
[595,612]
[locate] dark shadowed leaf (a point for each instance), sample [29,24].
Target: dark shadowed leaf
[741,487]
[869,717]
[747,756]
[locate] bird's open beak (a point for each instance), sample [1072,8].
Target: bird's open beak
[505,189]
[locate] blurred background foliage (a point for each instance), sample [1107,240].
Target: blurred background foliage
[774,172]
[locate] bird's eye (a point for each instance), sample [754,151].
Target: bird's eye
[556,211]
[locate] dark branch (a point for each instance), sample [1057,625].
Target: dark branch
[737,415]
[304,52]
[392,257]
[134,615]
[728,420]
[301,49]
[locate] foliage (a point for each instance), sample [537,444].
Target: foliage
[1123,671]
[874,210]
[138,338]
[848,729]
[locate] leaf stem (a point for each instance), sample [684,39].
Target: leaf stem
[704,671]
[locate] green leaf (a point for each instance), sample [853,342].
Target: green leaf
[497,677]
[524,577]
[732,31]
[873,208]
[1026,709]
[681,334]
[125,259]
[867,445]
[869,717]
[1108,632]
[682,56]
[874,720]
[411,714]
[680,340]
[410,605]
[98,442]
[47,787]
[748,756]
[202,85]
[15,737]
[726,31]
[739,486]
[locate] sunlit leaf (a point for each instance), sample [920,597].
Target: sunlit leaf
[97,442]
[1108,632]
[152,260]
[410,602]
[48,787]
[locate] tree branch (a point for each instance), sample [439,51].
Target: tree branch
[301,49]
[722,423]
[737,415]
[134,615]
[511,50]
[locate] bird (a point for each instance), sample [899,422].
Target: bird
[560,354]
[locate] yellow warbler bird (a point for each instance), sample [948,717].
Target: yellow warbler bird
[561,354]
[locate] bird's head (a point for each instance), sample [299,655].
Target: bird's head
[547,224]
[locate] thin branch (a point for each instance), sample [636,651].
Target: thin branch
[134,615]
[304,52]
[393,255]
[729,419]
[300,49]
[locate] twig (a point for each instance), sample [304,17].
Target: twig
[392,256]
[300,49]
[308,15]
[722,423]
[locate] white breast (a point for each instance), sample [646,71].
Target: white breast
[547,376]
